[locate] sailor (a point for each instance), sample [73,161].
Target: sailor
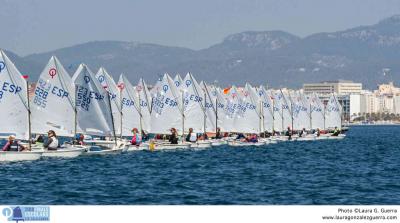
[145,136]
[173,138]
[39,140]
[52,141]
[336,132]
[191,137]
[136,139]
[218,134]
[289,133]
[252,138]
[79,139]
[13,145]
[318,132]
[303,133]
[240,136]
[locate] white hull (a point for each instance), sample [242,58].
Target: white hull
[105,150]
[200,144]
[68,152]
[219,142]
[143,146]
[19,156]
[307,138]
[171,146]
[340,136]
[241,144]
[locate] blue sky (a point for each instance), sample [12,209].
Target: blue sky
[32,26]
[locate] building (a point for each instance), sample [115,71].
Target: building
[340,87]
[388,89]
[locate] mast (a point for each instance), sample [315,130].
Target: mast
[310,117]
[120,112]
[29,115]
[216,115]
[261,117]
[273,116]
[140,114]
[183,117]
[340,110]
[75,113]
[112,117]
[205,116]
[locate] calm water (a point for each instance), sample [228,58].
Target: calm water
[364,168]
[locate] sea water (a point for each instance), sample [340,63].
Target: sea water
[363,168]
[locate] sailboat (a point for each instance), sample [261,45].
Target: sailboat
[333,115]
[167,112]
[302,116]
[93,112]
[248,118]
[14,104]
[132,116]
[145,101]
[194,110]
[214,106]
[53,107]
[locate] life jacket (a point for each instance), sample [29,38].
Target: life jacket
[193,137]
[136,139]
[54,143]
[14,146]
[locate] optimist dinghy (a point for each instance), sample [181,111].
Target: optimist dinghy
[66,151]
[103,150]
[242,144]
[10,156]
[201,144]
[218,142]
[142,146]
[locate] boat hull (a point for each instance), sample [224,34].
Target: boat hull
[11,156]
[69,152]
[200,145]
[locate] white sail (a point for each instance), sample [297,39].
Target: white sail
[279,104]
[178,82]
[231,108]
[53,103]
[267,109]
[333,113]
[156,87]
[13,100]
[247,118]
[317,112]
[286,109]
[145,104]
[211,107]
[193,98]
[167,108]
[108,83]
[93,113]
[131,111]
[252,117]
[301,117]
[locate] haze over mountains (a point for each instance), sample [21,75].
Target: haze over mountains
[366,54]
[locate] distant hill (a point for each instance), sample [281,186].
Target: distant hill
[367,54]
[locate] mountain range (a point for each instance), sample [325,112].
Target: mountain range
[366,54]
